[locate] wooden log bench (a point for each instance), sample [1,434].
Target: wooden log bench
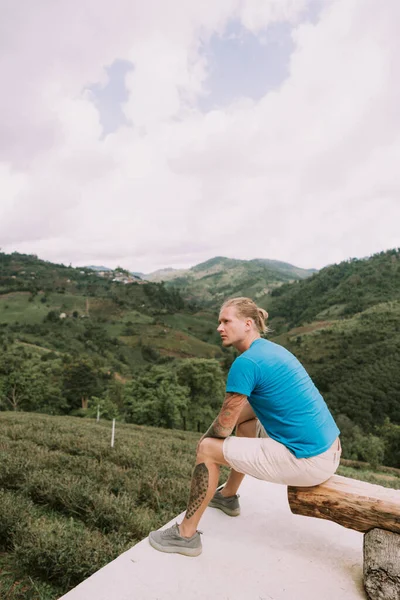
[371,509]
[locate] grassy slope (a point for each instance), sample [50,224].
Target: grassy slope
[69,503]
[171,335]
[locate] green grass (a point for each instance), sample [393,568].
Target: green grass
[377,477]
[170,342]
[180,344]
[200,324]
[69,503]
[25,587]
[16,307]
[136,317]
[129,319]
[66,302]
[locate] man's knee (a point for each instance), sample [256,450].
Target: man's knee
[206,447]
[211,450]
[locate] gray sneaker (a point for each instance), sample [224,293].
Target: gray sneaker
[170,540]
[230,506]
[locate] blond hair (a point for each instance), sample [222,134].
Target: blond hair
[247,309]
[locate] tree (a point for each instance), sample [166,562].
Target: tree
[14,390]
[80,382]
[205,381]
[14,383]
[156,398]
[27,383]
[372,450]
[390,434]
[107,409]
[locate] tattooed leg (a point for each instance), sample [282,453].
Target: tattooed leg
[198,490]
[203,486]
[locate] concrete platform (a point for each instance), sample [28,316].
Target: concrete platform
[265,553]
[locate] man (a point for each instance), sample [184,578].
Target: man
[284,430]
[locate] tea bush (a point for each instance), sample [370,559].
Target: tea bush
[61,550]
[13,511]
[69,503]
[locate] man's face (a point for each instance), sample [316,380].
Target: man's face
[231,328]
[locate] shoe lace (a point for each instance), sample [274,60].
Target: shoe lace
[170,532]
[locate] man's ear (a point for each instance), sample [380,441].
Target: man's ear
[249,323]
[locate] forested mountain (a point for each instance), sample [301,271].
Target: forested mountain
[339,290]
[216,279]
[73,340]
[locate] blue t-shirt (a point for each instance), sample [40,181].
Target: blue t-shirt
[284,398]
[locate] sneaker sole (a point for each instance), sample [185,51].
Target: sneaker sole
[231,512]
[175,549]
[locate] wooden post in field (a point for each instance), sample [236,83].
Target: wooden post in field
[113,434]
[98,413]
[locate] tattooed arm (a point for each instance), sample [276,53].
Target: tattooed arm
[224,424]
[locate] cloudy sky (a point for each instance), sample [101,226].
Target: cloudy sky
[163,133]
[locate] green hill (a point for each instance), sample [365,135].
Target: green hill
[339,290]
[99,316]
[220,277]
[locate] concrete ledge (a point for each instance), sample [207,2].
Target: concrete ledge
[266,553]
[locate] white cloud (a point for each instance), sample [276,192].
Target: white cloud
[309,174]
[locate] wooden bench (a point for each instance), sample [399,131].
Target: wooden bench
[371,509]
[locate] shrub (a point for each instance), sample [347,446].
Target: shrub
[62,550]
[14,510]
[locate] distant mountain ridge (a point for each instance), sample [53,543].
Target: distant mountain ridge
[108,269]
[220,277]
[96,268]
[220,262]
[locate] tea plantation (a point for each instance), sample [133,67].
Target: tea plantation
[69,503]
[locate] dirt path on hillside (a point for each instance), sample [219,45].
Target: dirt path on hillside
[37,347]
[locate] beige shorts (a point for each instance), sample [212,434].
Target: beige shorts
[264,458]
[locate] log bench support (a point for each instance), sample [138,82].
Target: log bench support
[365,507]
[382,564]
